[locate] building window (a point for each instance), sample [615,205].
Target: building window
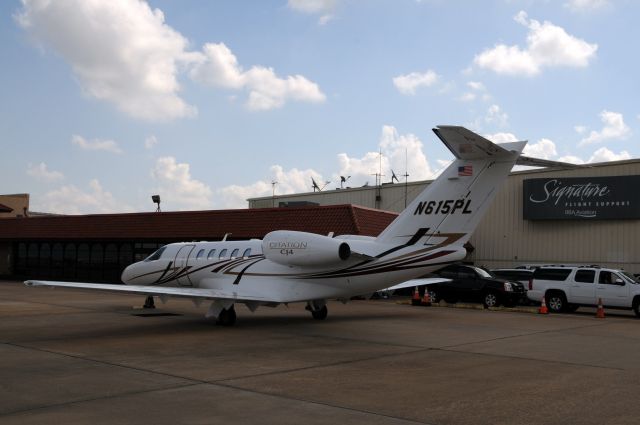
[70,261]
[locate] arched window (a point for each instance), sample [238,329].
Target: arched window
[200,254]
[212,253]
[234,253]
[223,253]
[247,252]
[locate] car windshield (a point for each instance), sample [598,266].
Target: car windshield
[630,277]
[482,272]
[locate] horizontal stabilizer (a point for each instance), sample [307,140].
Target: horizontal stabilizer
[537,162]
[465,144]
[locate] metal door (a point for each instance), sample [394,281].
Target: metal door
[582,286]
[182,264]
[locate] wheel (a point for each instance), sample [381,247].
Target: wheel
[434,295]
[227,317]
[320,314]
[557,302]
[490,299]
[636,308]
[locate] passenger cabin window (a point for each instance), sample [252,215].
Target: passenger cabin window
[156,255]
[552,274]
[212,253]
[247,252]
[234,253]
[585,276]
[200,254]
[223,253]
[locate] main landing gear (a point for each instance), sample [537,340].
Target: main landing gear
[227,317]
[318,309]
[148,303]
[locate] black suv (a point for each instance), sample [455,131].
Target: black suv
[470,283]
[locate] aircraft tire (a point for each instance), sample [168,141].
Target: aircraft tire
[320,314]
[227,317]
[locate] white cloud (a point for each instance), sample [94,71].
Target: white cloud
[495,115]
[96,144]
[580,129]
[395,148]
[477,89]
[121,51]
[548,45]
[399,153]
[586,5]
[176,187]
[42,173]
[288,181]
[70,199]
[218,67]
[614,128]
[124,53]
[407,84]
[501,137]
[324,8]
[603,155]
[150,142]
[544,149]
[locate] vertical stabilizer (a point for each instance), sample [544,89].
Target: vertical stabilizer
[456,201]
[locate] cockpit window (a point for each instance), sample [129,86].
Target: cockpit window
[234,253]
[211,254]
[247,252]
[200,254]
[156,255]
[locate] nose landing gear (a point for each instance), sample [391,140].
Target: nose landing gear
[227,317]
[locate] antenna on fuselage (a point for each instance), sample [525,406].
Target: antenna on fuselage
[225,236]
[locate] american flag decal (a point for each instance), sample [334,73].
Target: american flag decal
[465,170]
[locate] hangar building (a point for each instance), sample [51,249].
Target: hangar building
[587,215]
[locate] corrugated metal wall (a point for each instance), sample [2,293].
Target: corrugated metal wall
[503,238]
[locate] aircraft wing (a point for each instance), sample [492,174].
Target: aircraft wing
[161,291]
[417,282]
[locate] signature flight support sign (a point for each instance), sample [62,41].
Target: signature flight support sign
[581,198]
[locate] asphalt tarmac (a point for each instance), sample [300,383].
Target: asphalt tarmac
[77,357]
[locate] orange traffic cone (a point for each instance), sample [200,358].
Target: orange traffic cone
[415,299]
[543,307]
[600,311]
[426,299]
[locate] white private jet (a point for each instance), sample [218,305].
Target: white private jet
[290,266]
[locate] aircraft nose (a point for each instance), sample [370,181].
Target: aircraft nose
[127,274]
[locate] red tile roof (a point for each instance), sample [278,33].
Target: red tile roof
[199,225]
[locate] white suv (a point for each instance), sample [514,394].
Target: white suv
[567,288]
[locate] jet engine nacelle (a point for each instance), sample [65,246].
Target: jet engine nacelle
[293,248]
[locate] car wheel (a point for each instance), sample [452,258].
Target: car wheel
[490,299]
[636,308]
[434,295]
[556,301]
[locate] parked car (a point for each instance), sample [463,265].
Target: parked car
[567,288]
[470,283]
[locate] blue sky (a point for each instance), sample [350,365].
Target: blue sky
[206,103]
